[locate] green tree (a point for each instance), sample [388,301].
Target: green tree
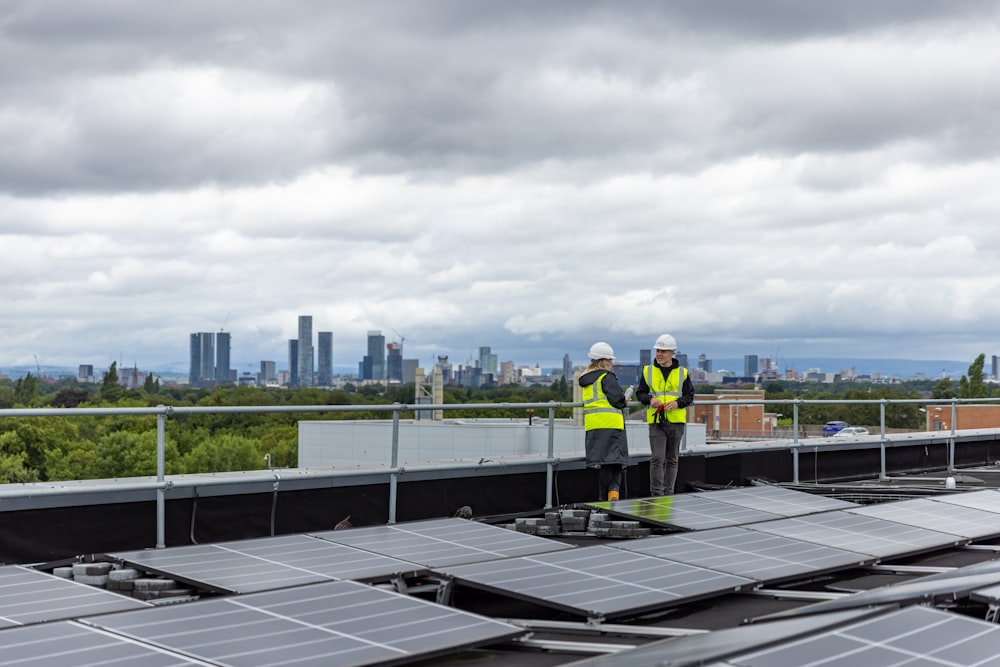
[974,386]
[943,389]
[26,389]
[225,453]
[13,470]
[127,454]
[111,390]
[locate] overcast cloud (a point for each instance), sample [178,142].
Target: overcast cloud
[819,178]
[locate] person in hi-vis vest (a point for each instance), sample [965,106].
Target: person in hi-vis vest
[665,389]
[604,422]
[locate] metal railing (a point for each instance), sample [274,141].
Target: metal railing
[162,413]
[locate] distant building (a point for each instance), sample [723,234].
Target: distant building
[567,368]
[410,367]
[444,367]
[324,370]
[268,373]
[373,365]
[305,359]
[86,373]
[394,362]
[293,363]
[202,370]
[223,374]
[750,365]
[487,360]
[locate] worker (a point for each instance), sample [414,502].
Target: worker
[666,389]
[604,421]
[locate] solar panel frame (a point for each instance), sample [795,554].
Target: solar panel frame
[747,553]
[957,519]
[862,534]
[686,511]
[599,582]
[30,596]
[443,542]
[335,624]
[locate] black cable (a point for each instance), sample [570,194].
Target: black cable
[194,514]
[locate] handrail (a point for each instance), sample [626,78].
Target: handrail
[163,412]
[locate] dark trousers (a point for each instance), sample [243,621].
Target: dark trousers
[665,446]
[609,478]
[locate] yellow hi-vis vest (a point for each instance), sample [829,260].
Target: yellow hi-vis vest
[597,411]
[666,389]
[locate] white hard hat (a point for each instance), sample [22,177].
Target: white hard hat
[601,351]
[665,342]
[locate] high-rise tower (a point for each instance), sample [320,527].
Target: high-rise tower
[374,363]
[202,370]
[324,358]
[305,361]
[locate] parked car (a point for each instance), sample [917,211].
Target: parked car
[834,427]
[851,432]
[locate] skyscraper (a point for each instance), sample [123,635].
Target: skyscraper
[202,371]
[222,352]
[487,360]
[305,361]
[324,354]
[293,362]
[567,368]
[374,364]
[750,365]
[394,362]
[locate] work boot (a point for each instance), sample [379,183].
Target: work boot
[612,496]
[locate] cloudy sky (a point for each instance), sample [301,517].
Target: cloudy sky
[815,178]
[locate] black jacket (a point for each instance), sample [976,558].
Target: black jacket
[606,446]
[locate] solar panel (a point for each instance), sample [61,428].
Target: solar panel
[599,581]
[915,636]
[778,500]
[748,553]
[987,500]
[218,568]
[688,511]
[68,643]
[266,563]
[945,517]
[440,542]
[862,534]
[31,596]
[701,649]
[331,624]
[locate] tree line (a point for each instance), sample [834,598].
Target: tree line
[34,449]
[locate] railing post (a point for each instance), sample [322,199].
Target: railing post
[394,464]
[161,503]
[549,476]
[795,441]
[882,440]
[951,439]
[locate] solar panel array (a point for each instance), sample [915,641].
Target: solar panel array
[30,596]
[599,581]
[862,534]
[265,564]
[443,542]
[915,636]
[297,601]
[726,507]
[748,553]
[329,624]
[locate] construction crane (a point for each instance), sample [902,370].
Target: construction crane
[401,337]
[38,369]
[224,323]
